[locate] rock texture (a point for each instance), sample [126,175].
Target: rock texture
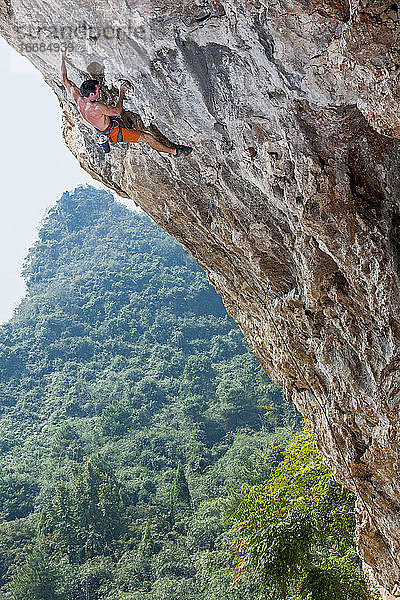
[290,201]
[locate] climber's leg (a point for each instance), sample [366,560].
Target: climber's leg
[134,135]
[155,144]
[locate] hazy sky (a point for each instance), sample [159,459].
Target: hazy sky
[35,166]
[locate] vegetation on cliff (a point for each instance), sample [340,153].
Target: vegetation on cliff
[295,531]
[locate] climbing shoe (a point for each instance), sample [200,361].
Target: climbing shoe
[183,151]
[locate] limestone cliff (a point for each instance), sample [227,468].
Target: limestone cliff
[290,201]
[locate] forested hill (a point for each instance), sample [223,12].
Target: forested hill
[129,399]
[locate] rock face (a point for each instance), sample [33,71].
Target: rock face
[290,201]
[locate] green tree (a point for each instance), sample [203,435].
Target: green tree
[37,579]
[14,536]
[115,419]
[86,515]
[335,578]
[146,546]
[180,498]
[17,496]
[297,529]
[67,443]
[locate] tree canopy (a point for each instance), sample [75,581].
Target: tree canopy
[295,531]
[132,412]
[128,399]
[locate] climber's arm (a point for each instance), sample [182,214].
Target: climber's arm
[70,85]
[114,111]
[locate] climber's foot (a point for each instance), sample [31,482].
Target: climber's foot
[183,151]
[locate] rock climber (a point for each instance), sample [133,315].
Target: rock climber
[100,116]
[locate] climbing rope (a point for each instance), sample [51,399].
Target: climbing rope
[323,408]
[209,212]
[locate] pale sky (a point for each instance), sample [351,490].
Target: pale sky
[36,166]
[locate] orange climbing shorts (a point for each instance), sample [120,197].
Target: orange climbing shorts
[128,135]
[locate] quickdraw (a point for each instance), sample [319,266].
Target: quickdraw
[103,137]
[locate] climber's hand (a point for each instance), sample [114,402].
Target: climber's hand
[123,89]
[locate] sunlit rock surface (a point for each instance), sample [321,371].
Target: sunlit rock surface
[290,200]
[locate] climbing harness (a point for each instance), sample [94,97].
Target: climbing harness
[103,136]
[103,140]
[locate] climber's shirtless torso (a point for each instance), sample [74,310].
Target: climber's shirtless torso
[94,112]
